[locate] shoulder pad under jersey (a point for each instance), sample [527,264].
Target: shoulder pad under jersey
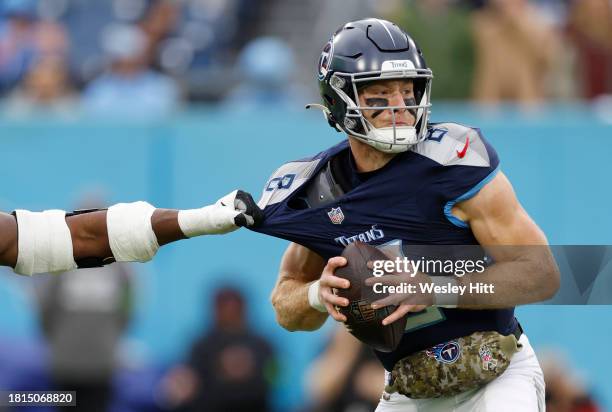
[286,180]
[451,144]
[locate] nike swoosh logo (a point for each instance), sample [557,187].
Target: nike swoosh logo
[461,154]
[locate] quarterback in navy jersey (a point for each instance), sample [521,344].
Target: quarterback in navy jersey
[401,180]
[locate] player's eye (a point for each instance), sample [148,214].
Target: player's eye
[376,102]
[380,92]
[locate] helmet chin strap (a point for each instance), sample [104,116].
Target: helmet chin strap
[326,114]
[324,109]
[393,139]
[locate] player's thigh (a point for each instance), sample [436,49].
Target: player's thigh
[514,393]
[396,403]
[511,395]
[519,388]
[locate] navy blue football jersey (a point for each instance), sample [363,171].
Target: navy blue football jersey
[407,202]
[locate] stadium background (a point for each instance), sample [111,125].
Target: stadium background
[235,118]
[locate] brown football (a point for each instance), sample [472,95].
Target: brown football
[363,322]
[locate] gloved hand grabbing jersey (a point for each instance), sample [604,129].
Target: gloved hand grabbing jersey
[233,210]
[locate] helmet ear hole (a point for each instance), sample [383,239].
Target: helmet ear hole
[329,100]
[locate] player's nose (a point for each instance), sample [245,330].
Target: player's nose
[403,114]
[397,100]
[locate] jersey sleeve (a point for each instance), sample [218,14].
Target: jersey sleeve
[467,163]
[286,180]
[292,175]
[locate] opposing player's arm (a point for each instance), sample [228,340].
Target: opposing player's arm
[300,268]
[89,234]
[51,241]
[524,273]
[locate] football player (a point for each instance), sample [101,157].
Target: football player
[56,241]
[399,179]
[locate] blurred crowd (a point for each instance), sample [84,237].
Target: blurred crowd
[525,51]
[83,318]
[119,56]
[153,56]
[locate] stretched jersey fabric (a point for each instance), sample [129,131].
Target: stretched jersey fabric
[407,202]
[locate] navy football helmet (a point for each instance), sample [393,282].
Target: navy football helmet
[359,53]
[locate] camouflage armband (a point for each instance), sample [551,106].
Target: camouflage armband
[453,367]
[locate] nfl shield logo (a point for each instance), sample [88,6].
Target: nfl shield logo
[335,215]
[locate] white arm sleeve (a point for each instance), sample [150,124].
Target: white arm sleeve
[130,233]
[44,242]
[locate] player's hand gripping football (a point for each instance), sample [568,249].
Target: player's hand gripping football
[415,301]
[328,282]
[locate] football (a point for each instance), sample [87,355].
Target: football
[363,322]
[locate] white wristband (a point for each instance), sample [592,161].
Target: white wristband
[215,219]
[208,220]
[44,242]
[130,233]
[313,297]
[445,300]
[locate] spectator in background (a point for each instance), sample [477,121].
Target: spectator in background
[25,39]
[129,87]
[442,28]
[161,19]
[564,392]
[45,88]
[83,315]
[515,50]
[590,27]
[265,66]
[230,368]
[346,377]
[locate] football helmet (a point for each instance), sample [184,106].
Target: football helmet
[358,54]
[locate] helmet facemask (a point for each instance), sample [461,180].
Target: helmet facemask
[396,137]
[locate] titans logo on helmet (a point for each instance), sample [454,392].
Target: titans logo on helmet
[325,59]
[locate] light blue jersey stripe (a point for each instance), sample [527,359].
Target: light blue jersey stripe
[467,195]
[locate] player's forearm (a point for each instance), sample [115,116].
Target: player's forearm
[293,312]
[513,283]
[166,226]
[90,233]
